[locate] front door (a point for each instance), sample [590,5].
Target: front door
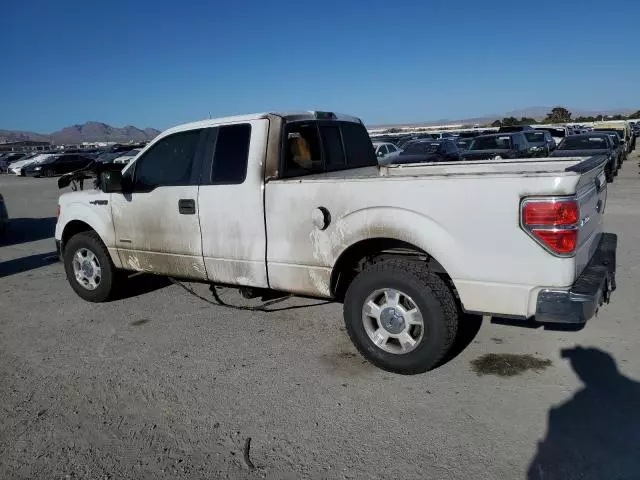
[156,222]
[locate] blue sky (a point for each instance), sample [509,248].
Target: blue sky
[162,63]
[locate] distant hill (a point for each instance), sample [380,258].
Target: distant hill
[539,113]
[88,132]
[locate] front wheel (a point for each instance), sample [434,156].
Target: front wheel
[401,316]
[89,268]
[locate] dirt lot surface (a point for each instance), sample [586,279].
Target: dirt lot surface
[163,385]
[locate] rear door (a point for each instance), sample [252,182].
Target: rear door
[156,224]
[231,199]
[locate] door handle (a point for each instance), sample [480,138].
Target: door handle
[187,206]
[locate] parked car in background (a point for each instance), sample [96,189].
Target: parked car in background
[557,133]
[514,128]
[56,165]
[383,149]
[441,135]
[16,167]
[622,126]
[411,138]
[498,146]
[126,157]
[590,144]
[616,138]
[422,151]
[464,143]
[4,216]
[108,157]
[8,158]
[541,141]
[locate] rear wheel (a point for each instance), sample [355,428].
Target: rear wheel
[89,268]
[401,316]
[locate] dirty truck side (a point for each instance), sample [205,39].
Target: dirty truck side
[297,203]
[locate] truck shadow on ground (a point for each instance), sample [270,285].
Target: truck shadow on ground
[596,434]
[137,284]
[24,264]
[23,230]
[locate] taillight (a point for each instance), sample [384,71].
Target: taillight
[58,212]
[563,212]
[552,222]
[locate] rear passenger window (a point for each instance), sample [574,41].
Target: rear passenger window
[168,162]
[302,152]
[231,154]
[358,146]
[332,144]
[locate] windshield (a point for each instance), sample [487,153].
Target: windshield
[422,147]
[535,137]
[586,142]
[556,132]
[615,135]
[495,142]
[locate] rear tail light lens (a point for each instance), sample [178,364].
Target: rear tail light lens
[560,241]
[553,223]
[554,213]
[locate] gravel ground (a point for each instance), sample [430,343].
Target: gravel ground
[163,385]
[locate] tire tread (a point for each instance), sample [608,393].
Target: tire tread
[428,281]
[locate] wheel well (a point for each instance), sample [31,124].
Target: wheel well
[73,228]
[355,258]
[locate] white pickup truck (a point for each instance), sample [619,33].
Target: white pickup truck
[297,203]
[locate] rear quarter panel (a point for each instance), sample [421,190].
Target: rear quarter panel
[469,224]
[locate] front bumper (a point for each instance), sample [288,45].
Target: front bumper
[591,289]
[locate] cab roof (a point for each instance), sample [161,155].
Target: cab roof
[287,116]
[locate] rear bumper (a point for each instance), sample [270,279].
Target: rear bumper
[59,249]
[591,289]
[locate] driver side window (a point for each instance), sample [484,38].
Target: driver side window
[167,163]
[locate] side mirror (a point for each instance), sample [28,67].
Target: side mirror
[111,182]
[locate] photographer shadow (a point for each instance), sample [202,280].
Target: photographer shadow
[596,434]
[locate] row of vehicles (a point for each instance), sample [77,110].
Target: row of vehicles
[59,162]
[614,140]
[315,214]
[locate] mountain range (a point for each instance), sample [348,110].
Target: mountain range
[87,132]
[539,113]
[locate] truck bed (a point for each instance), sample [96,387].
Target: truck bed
[523,166]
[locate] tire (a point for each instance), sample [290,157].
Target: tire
[90,242]
[426,291]
[609,172]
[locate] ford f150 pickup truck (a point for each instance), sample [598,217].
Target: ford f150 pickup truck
[297,203]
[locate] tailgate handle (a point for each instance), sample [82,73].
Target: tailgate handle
[187,206]
[600,183]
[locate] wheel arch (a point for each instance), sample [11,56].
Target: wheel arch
[73,228]
[354,258]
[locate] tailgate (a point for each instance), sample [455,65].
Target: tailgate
[591,194]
